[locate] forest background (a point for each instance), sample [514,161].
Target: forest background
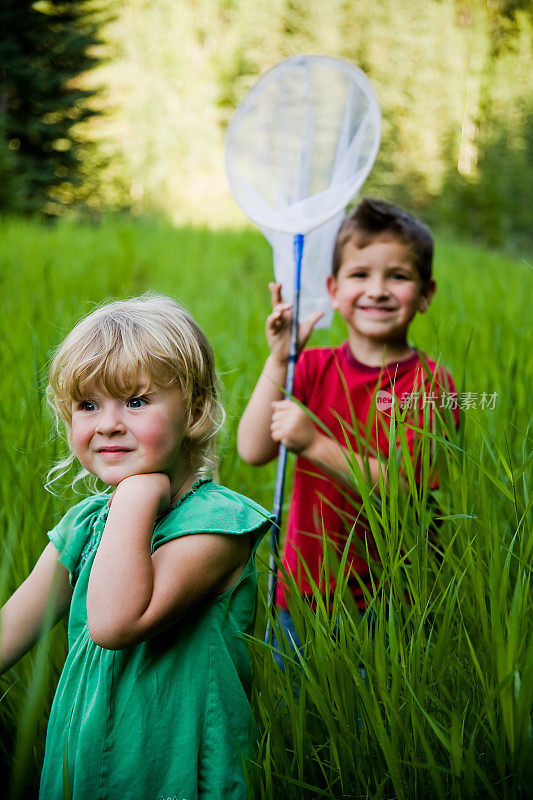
[112,123]
[123,105]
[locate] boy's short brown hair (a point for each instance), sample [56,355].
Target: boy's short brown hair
[373,218]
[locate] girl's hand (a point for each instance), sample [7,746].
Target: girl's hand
[291,426]
[278,326]
[153,488]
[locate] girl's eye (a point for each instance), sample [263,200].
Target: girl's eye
[87,405]
[136,402]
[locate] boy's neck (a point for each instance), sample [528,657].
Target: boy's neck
[375,353]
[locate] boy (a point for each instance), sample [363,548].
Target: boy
[381,277]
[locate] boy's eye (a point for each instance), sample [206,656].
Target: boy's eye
[401,276]
[86,405]
[136,402]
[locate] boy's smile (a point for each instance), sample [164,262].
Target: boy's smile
[115,438]
[378,291]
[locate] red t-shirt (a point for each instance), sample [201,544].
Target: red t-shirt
[336,387]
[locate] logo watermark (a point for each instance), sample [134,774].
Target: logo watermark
[384,400]
[485,401]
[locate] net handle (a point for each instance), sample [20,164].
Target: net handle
[277,508]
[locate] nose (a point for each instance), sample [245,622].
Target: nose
[110,419]
[377,286]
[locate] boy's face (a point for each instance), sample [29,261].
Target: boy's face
[378,290]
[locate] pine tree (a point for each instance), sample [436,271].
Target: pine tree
[44,48]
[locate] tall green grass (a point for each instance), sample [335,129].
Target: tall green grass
[444,708]
[430,694]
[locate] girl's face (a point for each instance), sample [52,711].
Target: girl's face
[115,438]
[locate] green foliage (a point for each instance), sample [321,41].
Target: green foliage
[445,706]
[454,82]
[107,106]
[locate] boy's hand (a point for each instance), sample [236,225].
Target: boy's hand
[278,326]
[291,426]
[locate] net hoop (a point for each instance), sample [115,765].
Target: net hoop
[303,214]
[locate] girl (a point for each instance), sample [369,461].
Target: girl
[159,576]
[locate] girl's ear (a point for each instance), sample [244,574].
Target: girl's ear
[426,295]
[196,412]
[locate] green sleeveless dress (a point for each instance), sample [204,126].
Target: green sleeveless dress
[169,718]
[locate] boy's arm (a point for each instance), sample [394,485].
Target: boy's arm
[254,442]
[292,427]
[44,595]
[132,594]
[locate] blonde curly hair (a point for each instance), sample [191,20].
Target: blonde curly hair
[150,337]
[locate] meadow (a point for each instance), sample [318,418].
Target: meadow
[432,698]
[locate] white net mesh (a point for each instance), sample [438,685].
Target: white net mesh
[316,266]
[298,149]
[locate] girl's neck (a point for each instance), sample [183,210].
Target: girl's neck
[182,486]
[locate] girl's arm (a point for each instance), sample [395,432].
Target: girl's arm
[254,442]
[44,596]
[133,595]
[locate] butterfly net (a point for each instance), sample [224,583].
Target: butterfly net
[298,148]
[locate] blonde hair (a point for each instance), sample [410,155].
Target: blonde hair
[150,337]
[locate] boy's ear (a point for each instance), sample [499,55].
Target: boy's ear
[331,285]
[426,295]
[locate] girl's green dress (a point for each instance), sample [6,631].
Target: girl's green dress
[169,718]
